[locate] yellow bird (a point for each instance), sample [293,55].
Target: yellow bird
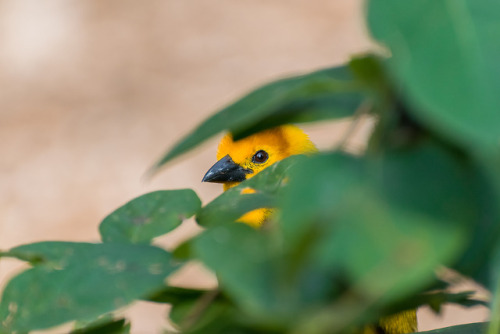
[240,160]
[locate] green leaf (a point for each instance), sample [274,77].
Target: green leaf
[149,216]
[183,252]
[383,219]
[444,57]
[175,295]
[120,326]
[326,94]
[232,204]
[218,317]
[241,257]
[476,261]
[370,71]
[80,281]
[208,312]
[475,328]
[259,277]
[436,300]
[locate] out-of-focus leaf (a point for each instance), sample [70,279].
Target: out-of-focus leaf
[242,258]
[475,328]
[371,72]
[232,204]
[210,312]
[174,295]
[219,317]
[120,326]
[184,251]
[306,110]
[476,261]
[264,281]
[149,216]
[388,220]
[80,281]
[443,55]
[325,94]
[436,300]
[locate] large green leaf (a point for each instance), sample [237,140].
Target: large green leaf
[149,216]
[445,55]
[325,94]
[79,281]
[388,220]
[232,204]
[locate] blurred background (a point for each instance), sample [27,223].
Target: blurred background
[93,92]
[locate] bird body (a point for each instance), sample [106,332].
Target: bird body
[242,159]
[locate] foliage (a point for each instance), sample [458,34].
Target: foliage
[357,237]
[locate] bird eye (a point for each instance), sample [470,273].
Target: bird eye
[260,157]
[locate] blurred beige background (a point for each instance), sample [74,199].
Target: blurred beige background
[92,92]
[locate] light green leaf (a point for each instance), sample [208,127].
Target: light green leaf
[80,281]
[149,216]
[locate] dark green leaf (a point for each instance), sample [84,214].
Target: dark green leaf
[443,54]
[80,281]
[149,216]
[325,94]
[232,204]
[475,328]
[218,317]
[119,326]
[306,110]
[175,295]
[371,72]
[436,300]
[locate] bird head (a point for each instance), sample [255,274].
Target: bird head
[241,159]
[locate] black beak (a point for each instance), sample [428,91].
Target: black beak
[226,170]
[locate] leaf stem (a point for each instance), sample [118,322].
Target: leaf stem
[363,109]
[199,308]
